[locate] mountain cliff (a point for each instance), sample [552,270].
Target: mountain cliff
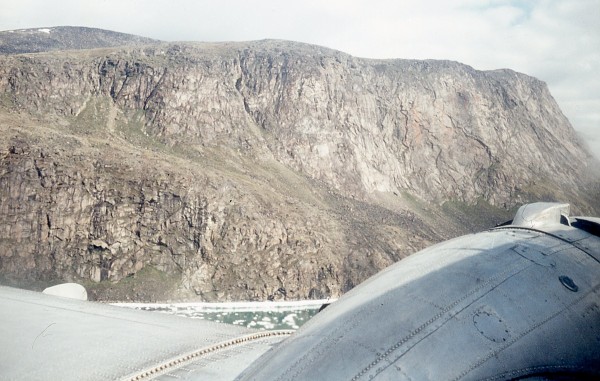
[261,170]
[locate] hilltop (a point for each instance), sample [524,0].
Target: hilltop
[64,38]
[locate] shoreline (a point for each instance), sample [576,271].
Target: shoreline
[231,306]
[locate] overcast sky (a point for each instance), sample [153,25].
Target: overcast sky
[557,41]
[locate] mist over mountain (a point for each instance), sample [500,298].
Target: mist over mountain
[259,170]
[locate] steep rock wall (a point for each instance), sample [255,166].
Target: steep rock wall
[261,170]
[440,129]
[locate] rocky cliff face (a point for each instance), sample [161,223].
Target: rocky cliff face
[261,170]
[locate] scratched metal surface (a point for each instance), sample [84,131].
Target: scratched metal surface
[44,337]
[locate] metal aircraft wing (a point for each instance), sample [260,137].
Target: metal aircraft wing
[45,337]
[513,303]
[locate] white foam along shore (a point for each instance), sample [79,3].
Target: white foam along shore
[233,306]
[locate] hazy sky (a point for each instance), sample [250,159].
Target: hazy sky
[557,41]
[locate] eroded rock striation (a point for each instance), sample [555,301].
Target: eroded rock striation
[261,170]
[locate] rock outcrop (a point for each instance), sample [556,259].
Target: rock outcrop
[261,170]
